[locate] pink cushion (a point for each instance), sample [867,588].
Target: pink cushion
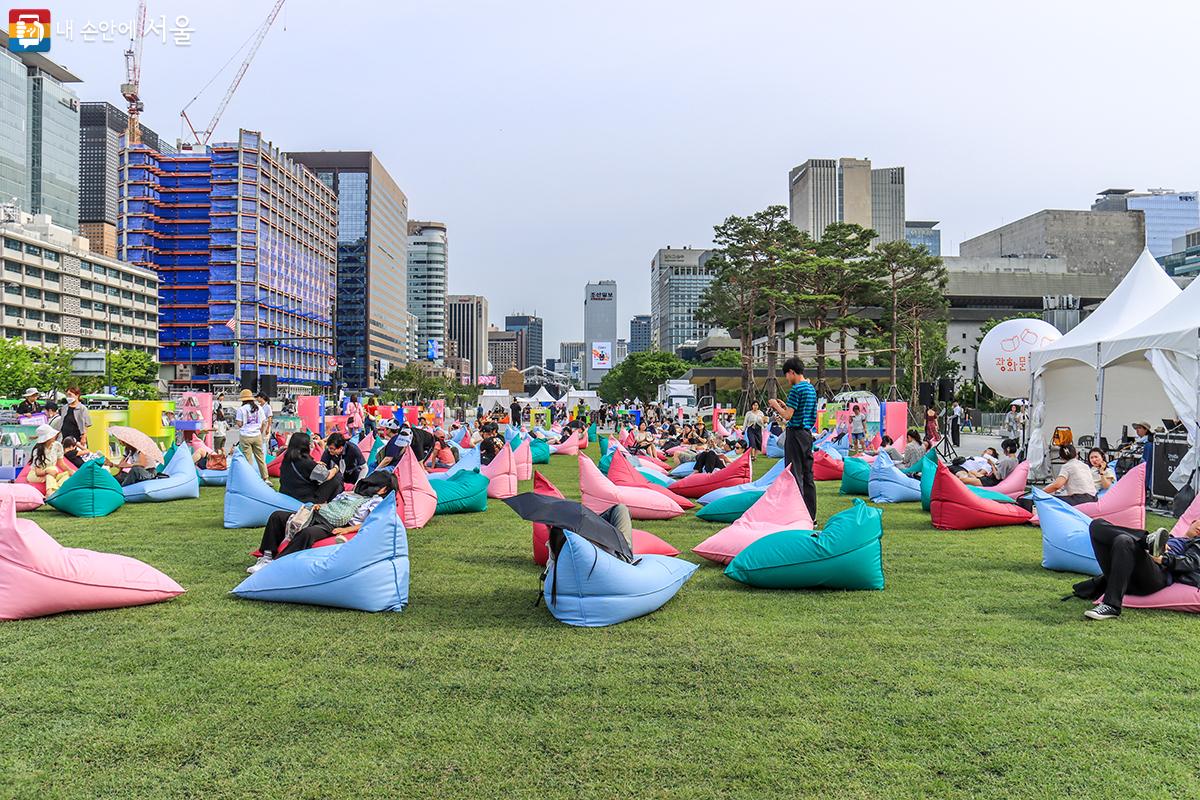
[699,484]
[415,499]
[1124,503]
[38,576]
[1014,484]
[568,448]
[1191,515]
[600,494]
[622,473]
[524,457]
[366,445]
[781,508]
[502,474]
[954,507]
[25,496]
[27,478]
[1176,597]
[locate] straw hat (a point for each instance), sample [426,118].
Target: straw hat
[246,395]
[45,433]
[1145,425]
[31,392]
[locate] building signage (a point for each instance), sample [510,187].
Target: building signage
[601,355]
[602,296]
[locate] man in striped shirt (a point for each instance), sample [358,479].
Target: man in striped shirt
[800,411]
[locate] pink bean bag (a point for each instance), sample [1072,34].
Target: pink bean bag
[826,467]
[38,576]
[568,448]
[600,494]
[622,473]
[1191,515]
[699,484]
[415,499]
[23,477]
[524,456]
[781,508]
[1015,484]
[25,496]
[1176,597]
[954,507]
[1124,503]
[501,474]
[366,444]
[875,443]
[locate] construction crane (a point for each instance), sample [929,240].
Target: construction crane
[132,87]
[202,136]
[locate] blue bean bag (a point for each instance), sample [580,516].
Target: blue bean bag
[368,573]
[468,460]
[1066,543]
[774,446]
[213,477]
[249,500]
[759,485]
[181,482]
[588,587]
[886,484]
[847,554]
[91,492]
[682,470]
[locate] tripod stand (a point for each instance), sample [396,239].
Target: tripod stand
[945,447]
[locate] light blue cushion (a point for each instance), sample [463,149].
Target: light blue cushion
[683,470]
[249,500]
[887,484]
[1066,542]
[752,486]
[368,573]
[181,481]
[468,460]
[214,477]
[774,446]
[592,588]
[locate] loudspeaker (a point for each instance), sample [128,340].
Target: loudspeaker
[250,379]
[268,384]
[946,389]
[925,393]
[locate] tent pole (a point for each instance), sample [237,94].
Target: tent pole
[1099,395]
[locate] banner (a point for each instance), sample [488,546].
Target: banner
[601,355]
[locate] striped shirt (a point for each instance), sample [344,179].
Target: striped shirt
[802,399]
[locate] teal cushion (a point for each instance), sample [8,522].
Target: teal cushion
[730,507]
[605,460]
[90,492]
[991,494]
[856,475]
[539,449]
[462,492]
[847,554]
[928,470]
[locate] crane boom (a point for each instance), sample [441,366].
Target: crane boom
[203,136]
[131,89]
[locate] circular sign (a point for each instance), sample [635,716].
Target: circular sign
[1003,355]
[332,361]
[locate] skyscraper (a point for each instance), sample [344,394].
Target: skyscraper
[504,349]
[531,326]
[599,331]
[822,191]
[428,253]
[887,204]
[678,278]
[374,328]
[639,333]
[244,241]
[1169,214]
[39,136]
[467,328]
[918,232]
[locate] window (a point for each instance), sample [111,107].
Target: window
[51,338]
[33,313]
[13,311]
[50,275]
[53,297]
[12,288]
[85,266]
[85,286]
[52,317]
[35,294]
[50,255]
[12,266]
[33,250]
[33,272]
[12,244]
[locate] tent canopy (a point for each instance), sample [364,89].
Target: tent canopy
[1171,326]
[542,396]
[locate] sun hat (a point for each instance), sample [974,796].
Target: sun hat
[45,433]
[246,395]
[30,392]
[1145,425]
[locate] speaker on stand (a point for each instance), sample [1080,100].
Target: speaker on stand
[925,394]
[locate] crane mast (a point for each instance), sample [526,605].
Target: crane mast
[132,87]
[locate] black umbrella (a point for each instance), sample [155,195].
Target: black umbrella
[572,516]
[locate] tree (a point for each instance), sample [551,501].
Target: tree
[640,375]
[912,288]
[853,282]
[134,374]
[723,358]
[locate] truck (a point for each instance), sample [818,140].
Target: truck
[678,394]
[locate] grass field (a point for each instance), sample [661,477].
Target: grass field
[965,677]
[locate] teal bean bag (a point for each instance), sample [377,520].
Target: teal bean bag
[462,492]
[540,450]
[856,476]
[605,460]
[928,470]
[603,440]
[991,494]
[847,554]
[592,435]
[730,507]
[167,456]
[915,470]
[90,492]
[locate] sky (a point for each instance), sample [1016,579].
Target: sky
[565,142]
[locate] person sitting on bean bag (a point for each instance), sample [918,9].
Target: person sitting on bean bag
[442,454]
[200,451]
[1074,484]
[347,462]
[300,477]
[44,460]
[711,458]
[1127,566]
[294,531]
[491,444]
[73,452]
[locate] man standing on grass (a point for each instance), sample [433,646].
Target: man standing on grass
[800,413]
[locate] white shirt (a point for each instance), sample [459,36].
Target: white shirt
[249,422]
[1079,478]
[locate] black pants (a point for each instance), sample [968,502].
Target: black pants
[1125,562]
[707,461]
[754,437]
[1070,499]
[305,538]
[797,454]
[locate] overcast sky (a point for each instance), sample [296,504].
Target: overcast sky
[564,142]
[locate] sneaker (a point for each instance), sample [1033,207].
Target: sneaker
[1102,611]
[1156,541]
[263,560]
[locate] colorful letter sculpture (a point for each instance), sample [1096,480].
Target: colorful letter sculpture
[826,467]
[38,576]
[501,474]
[463,492]
[954,507]
[699,484]
[846,554]
[182,482]
[623,473]
[886,484]
[416,501]
[249,500]
[1066,543]
[600,494]
[368,573]
[781,508]
[587,587]
[90,492]
[856,477]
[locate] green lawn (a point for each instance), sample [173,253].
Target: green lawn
[965,677]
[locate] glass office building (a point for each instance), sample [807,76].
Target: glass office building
[639,333]
[427,280]
[531,327]
[918,233]
[1169,214]
[678,278]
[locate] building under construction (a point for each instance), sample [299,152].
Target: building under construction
[244,241]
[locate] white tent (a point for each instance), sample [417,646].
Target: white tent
[541,396]
[1069,386]
[1157,363]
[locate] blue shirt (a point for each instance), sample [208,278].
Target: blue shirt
[802,399]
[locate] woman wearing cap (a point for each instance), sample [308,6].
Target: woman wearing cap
[29,405]
[43,463]
[250,422]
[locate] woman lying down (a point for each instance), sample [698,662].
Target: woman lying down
[343,515]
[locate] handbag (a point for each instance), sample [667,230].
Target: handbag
[320,473]
[217,461]
[297,522]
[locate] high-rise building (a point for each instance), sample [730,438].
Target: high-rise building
[1086,242]
[59,293]
[640,339]
[622,351]
[244,241]
[101,126]
[924,232]
[822,191]
[467,330]
[374,329]
[504,349]
[428,252]
[39,136]
[678,278]
[1169,214]
[569,351]
[531,326]
[599,331]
